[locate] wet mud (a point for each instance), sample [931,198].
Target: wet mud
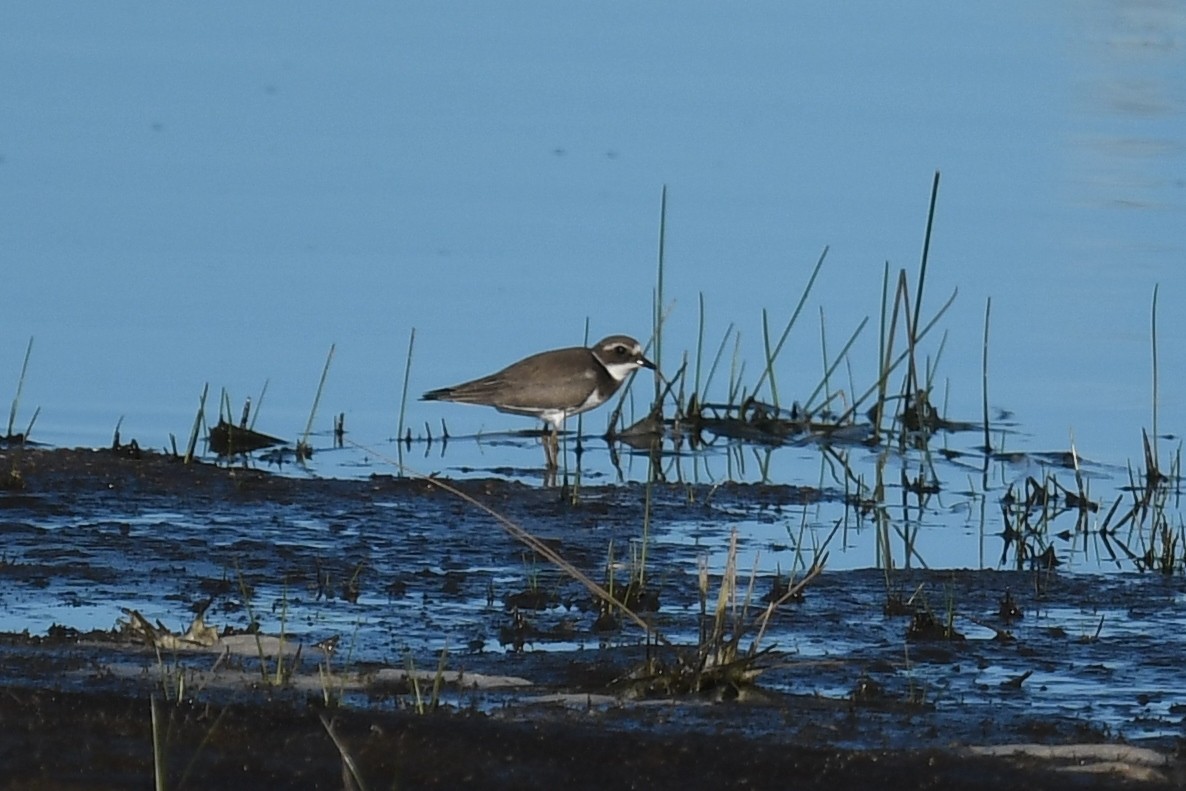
[393,623]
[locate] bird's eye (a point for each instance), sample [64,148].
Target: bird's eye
[620,350]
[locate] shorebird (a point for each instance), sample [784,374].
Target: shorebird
[554,385]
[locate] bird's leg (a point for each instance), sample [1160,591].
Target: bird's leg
[552,448]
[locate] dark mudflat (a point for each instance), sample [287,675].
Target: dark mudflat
[54,740]
[848,701]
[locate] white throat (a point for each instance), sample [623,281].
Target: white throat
[619,371]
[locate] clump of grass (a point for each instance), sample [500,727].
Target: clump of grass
[162,733]
[281,675]
[1029,517]
[926,625]
[727,657]
[1151,542]
[745,417]
[635,592]
[433,702]
[753,415]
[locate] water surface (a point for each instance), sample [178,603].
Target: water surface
[219,194]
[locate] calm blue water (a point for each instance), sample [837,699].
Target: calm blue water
[219,193]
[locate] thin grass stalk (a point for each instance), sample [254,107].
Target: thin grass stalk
[882,348]
[438,680]
[347,759]
[646,522]
[1176,477]
[255,624]
[609,568]
[20,385]
[823,342]
[317,398]
[33,420]
[1081,488]
[792,590]
[681,397]
[193,761]
[263,391]
[910,382]
[576,486]
[280,674]
[933,366]
[901,357]
[926,252]
[735,369]
[1156,441]
[739,626]
[852,382]
[728,586]
[884,366]
[800,542]
[158,747]
[657,312]
[762,457]
[795,315]
[699,349]
[414,678]
[884,554]
[678,379]
[403,399]
[198,420]
[246,414]
[769,371]
[931,324]
[946,390]
[831,368]
[712,369]
[984,381]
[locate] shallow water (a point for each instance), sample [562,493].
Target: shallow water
[217,196]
